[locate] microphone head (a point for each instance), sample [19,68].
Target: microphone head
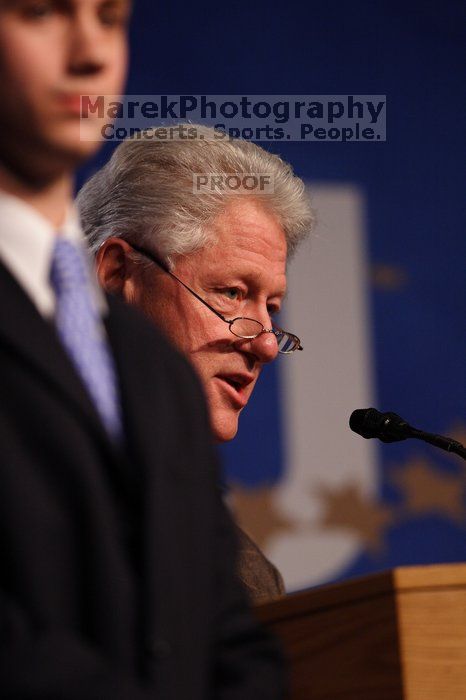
[364,422]
[370,423]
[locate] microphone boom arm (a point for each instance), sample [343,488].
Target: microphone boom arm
[389,427]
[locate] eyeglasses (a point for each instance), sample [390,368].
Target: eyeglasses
[241,327]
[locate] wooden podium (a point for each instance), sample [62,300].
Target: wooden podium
[390,636]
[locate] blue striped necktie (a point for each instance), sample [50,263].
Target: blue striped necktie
[81,331]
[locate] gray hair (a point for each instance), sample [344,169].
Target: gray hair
[145,193]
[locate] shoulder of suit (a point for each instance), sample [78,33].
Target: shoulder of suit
[128,321]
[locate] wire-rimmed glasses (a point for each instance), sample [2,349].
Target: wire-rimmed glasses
[241,326]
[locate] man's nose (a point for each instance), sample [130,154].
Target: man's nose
[87,46]
[265,347]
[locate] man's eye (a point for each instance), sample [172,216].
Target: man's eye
[231,293]
[273,311]
[37,10]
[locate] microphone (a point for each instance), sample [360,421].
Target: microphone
[389,427]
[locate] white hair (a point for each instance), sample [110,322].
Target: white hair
[145,194]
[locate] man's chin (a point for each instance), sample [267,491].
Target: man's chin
[67,139]
[43,156]
[73,143]
[224,428]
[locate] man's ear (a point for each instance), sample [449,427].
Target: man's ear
[115,270]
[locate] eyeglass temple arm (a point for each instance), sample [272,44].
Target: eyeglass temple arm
[164,267]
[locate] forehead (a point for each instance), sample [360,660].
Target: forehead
[249,240]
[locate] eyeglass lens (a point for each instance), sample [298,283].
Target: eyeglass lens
[250,328]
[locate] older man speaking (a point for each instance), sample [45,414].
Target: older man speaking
[197,232]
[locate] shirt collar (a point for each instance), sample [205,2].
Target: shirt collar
[26,244]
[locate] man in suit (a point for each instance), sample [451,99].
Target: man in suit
[116,580]
[194,257]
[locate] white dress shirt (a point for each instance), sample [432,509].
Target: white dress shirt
[26,243]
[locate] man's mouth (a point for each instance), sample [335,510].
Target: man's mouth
[233,383]
[238,384]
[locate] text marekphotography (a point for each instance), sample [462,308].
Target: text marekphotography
[308,118]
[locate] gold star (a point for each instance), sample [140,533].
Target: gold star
[347,508]
[457,431]
[429,490]
[257,513]
[388,278]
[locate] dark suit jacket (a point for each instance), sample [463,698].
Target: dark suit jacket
[262,580]
[117,573]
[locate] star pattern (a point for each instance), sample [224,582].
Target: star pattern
[388,278]
[257,513]
[425,490]
[428,490]
[348,508]
[457,431]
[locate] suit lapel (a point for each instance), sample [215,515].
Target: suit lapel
[35,342]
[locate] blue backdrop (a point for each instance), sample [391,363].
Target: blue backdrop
[412,52]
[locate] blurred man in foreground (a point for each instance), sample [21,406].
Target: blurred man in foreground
[197,233]
[116,579]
